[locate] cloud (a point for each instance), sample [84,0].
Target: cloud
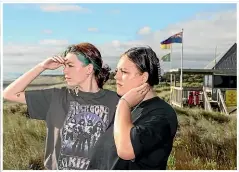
[116,43]
[202,33]
[93,29]
[53,42]
[47,31]
[63,8]
[19,58]
[144,31]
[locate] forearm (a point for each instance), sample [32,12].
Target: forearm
[122,128]
[23,81]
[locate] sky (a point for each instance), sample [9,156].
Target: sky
[34,32]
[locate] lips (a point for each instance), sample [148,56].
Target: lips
[67,78]
[118,84]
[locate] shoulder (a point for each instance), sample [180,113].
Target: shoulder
[111,94]
[43,91]
[162,106]
[159,114]
[158,108]
[58,91]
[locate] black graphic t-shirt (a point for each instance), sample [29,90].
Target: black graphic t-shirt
[84,124]
[74,123]
[155,125]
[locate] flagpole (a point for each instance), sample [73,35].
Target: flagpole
[171,50]
[171,75]
[181,76]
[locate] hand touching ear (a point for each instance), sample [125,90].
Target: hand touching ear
[136,95]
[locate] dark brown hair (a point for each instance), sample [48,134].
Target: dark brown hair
[94,56]
[146,60]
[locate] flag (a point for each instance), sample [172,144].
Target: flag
[165,46]
[166,58]
[166,41]
[176,38]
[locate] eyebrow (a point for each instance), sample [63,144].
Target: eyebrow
[120,68]
[67,61]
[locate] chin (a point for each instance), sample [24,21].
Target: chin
[71,84]
[120,92]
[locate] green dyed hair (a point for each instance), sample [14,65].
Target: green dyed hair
[81,56]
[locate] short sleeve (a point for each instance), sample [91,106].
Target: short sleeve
[149,133]
[38,102]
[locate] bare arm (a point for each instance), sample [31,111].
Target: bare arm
[123,122]
[15,91]
[122,127]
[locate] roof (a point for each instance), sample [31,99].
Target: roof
[204,71]
[230,51]
[225,65]
[212,64]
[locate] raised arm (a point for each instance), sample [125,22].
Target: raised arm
[123,123]
[16,90]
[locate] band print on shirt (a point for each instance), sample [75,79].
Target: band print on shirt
[83,127]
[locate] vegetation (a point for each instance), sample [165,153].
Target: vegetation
[205,141]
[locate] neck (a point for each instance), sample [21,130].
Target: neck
[89,85]
[151,93]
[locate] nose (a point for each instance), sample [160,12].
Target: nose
[116,77]
[65,69]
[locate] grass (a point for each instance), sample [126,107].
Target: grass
[23,138]
[204,141]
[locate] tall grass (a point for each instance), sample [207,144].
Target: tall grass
[205,141]
[23,138]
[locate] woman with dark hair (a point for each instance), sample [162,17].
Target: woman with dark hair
[71,113]
[144,128]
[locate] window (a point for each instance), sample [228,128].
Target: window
[221,81]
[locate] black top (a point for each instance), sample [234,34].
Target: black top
[155,125]
[74,123]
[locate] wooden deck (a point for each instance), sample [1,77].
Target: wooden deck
[179,97]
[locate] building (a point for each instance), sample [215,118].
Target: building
[219,84]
